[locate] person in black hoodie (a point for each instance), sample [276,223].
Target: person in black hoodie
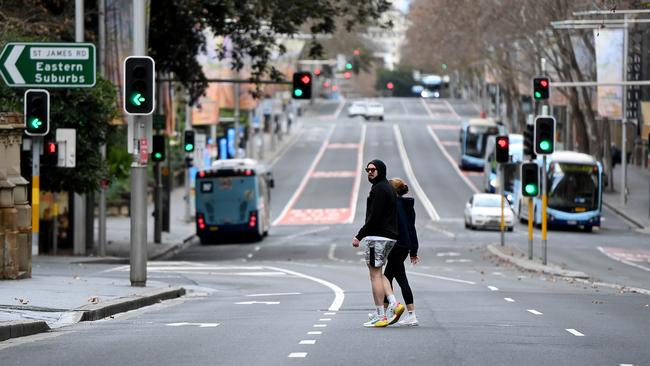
[407,243]
[379,234]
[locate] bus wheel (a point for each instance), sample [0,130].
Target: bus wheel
[587,228]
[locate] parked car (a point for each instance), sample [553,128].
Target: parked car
[483,210]
[374,110]
[357,108]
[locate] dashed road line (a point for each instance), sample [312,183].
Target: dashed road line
[315,332]
[575,332]
[493,288]
[298,355]
[451,160]
[325,319]
[508,299]
[308,341]
[320,326]
[533,311]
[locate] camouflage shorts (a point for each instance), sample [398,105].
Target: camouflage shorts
[376,250]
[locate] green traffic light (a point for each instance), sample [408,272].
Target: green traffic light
[35,122]
[158,155]
[545,145]
[538,95]
[137,99]
[297,92]
[444,66]
[531,189]
[348,66]
[189,147]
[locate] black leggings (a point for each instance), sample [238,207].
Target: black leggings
[395,269]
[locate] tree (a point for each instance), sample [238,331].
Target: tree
[252,26]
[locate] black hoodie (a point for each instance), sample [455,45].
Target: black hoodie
[408,237]
[381,211]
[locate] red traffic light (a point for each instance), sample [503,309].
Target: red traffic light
[335,88]
[543,83]
[326,84]
[305,79]
[347,75]
[356,52]
[390,85]
[50,148]
[502,142]
[316,71]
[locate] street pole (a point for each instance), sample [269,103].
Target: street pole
[530,228]
[236,115]
[157,234]
[138,272]
[101,234]
[188,126]
[544,199]
[501,191]
[624,119]
[79,206]
[36,190]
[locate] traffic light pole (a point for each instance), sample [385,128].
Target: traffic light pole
[544,199]
[157,234]
[501,191]
[530,228]
[36,190]
[188,126]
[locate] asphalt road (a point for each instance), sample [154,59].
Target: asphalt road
[301,295]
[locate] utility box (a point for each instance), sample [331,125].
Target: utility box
[66,139]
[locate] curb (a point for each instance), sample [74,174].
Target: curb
[99,311]
[531,266]
[175,249]
[624,215]
[21,328]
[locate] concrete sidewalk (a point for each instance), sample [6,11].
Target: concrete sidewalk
[637,208]
[67,290]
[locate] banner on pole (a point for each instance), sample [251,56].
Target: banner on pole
[609,68]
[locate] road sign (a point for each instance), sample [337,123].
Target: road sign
[53,65]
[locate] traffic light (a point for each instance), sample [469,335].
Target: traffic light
[544,135]
[50,153]
[529,134]
[37,112]
[158,148]
[317,71]
[529,179]
[139,85]
[348,65]
[188,141]
[347,75]
[302,85]
[502,149]
[390,85]
[541,86]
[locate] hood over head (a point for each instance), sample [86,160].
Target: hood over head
[381,170]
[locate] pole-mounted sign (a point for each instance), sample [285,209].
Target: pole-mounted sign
[52,65]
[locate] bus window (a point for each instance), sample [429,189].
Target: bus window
[477,139]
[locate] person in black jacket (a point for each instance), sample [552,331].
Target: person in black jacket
[379,234]
[407,243]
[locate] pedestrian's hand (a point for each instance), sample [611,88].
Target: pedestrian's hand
[415,260]
[355,242]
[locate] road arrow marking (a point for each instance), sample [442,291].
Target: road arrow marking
[257,302]
[10,64]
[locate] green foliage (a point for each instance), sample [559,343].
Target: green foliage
[402,80]
[253,27]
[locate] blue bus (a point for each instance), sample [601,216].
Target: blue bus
[233,200]
[575,189]
[510,169]
[473,138]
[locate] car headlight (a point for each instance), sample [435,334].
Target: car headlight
[509,197]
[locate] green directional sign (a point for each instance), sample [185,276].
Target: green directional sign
[54,65]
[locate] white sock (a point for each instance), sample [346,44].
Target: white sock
[392,300]
[412,313]
[380,310]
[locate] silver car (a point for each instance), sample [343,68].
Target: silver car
[484,211]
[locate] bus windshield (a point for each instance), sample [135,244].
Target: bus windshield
[231,198]
[477,139]
[573,187]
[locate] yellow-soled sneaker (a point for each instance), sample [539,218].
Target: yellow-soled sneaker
[376,322]
[393,313]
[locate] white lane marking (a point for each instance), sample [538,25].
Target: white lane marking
[305,179]
[441,231]
[453,111]
[324,319]
[357,181]
[451,160]
[308,341]
[533,311]
[312,231]
[629,263]
[461,260]
[320,325]
[442,278]
[575,332]
[498,274]
[428,206]
[275,294]
[508,299]
[315,332]
[626,364]
[257,248]
[338,292]
[339,108]
[257,302]
[426,108]
[249,255]
[447,254]
[329,313]
[200,325]
[492,288]
[298,354]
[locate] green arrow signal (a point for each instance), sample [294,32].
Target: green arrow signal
[531,189]
[35,123]
[137,99]
[545,145]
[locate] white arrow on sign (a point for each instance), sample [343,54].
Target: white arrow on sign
[10,64]
[200,325]
[257,302]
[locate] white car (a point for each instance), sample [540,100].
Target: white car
[484,211]
[357,108]
[375,110]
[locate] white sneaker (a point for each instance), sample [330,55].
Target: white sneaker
[410,320]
